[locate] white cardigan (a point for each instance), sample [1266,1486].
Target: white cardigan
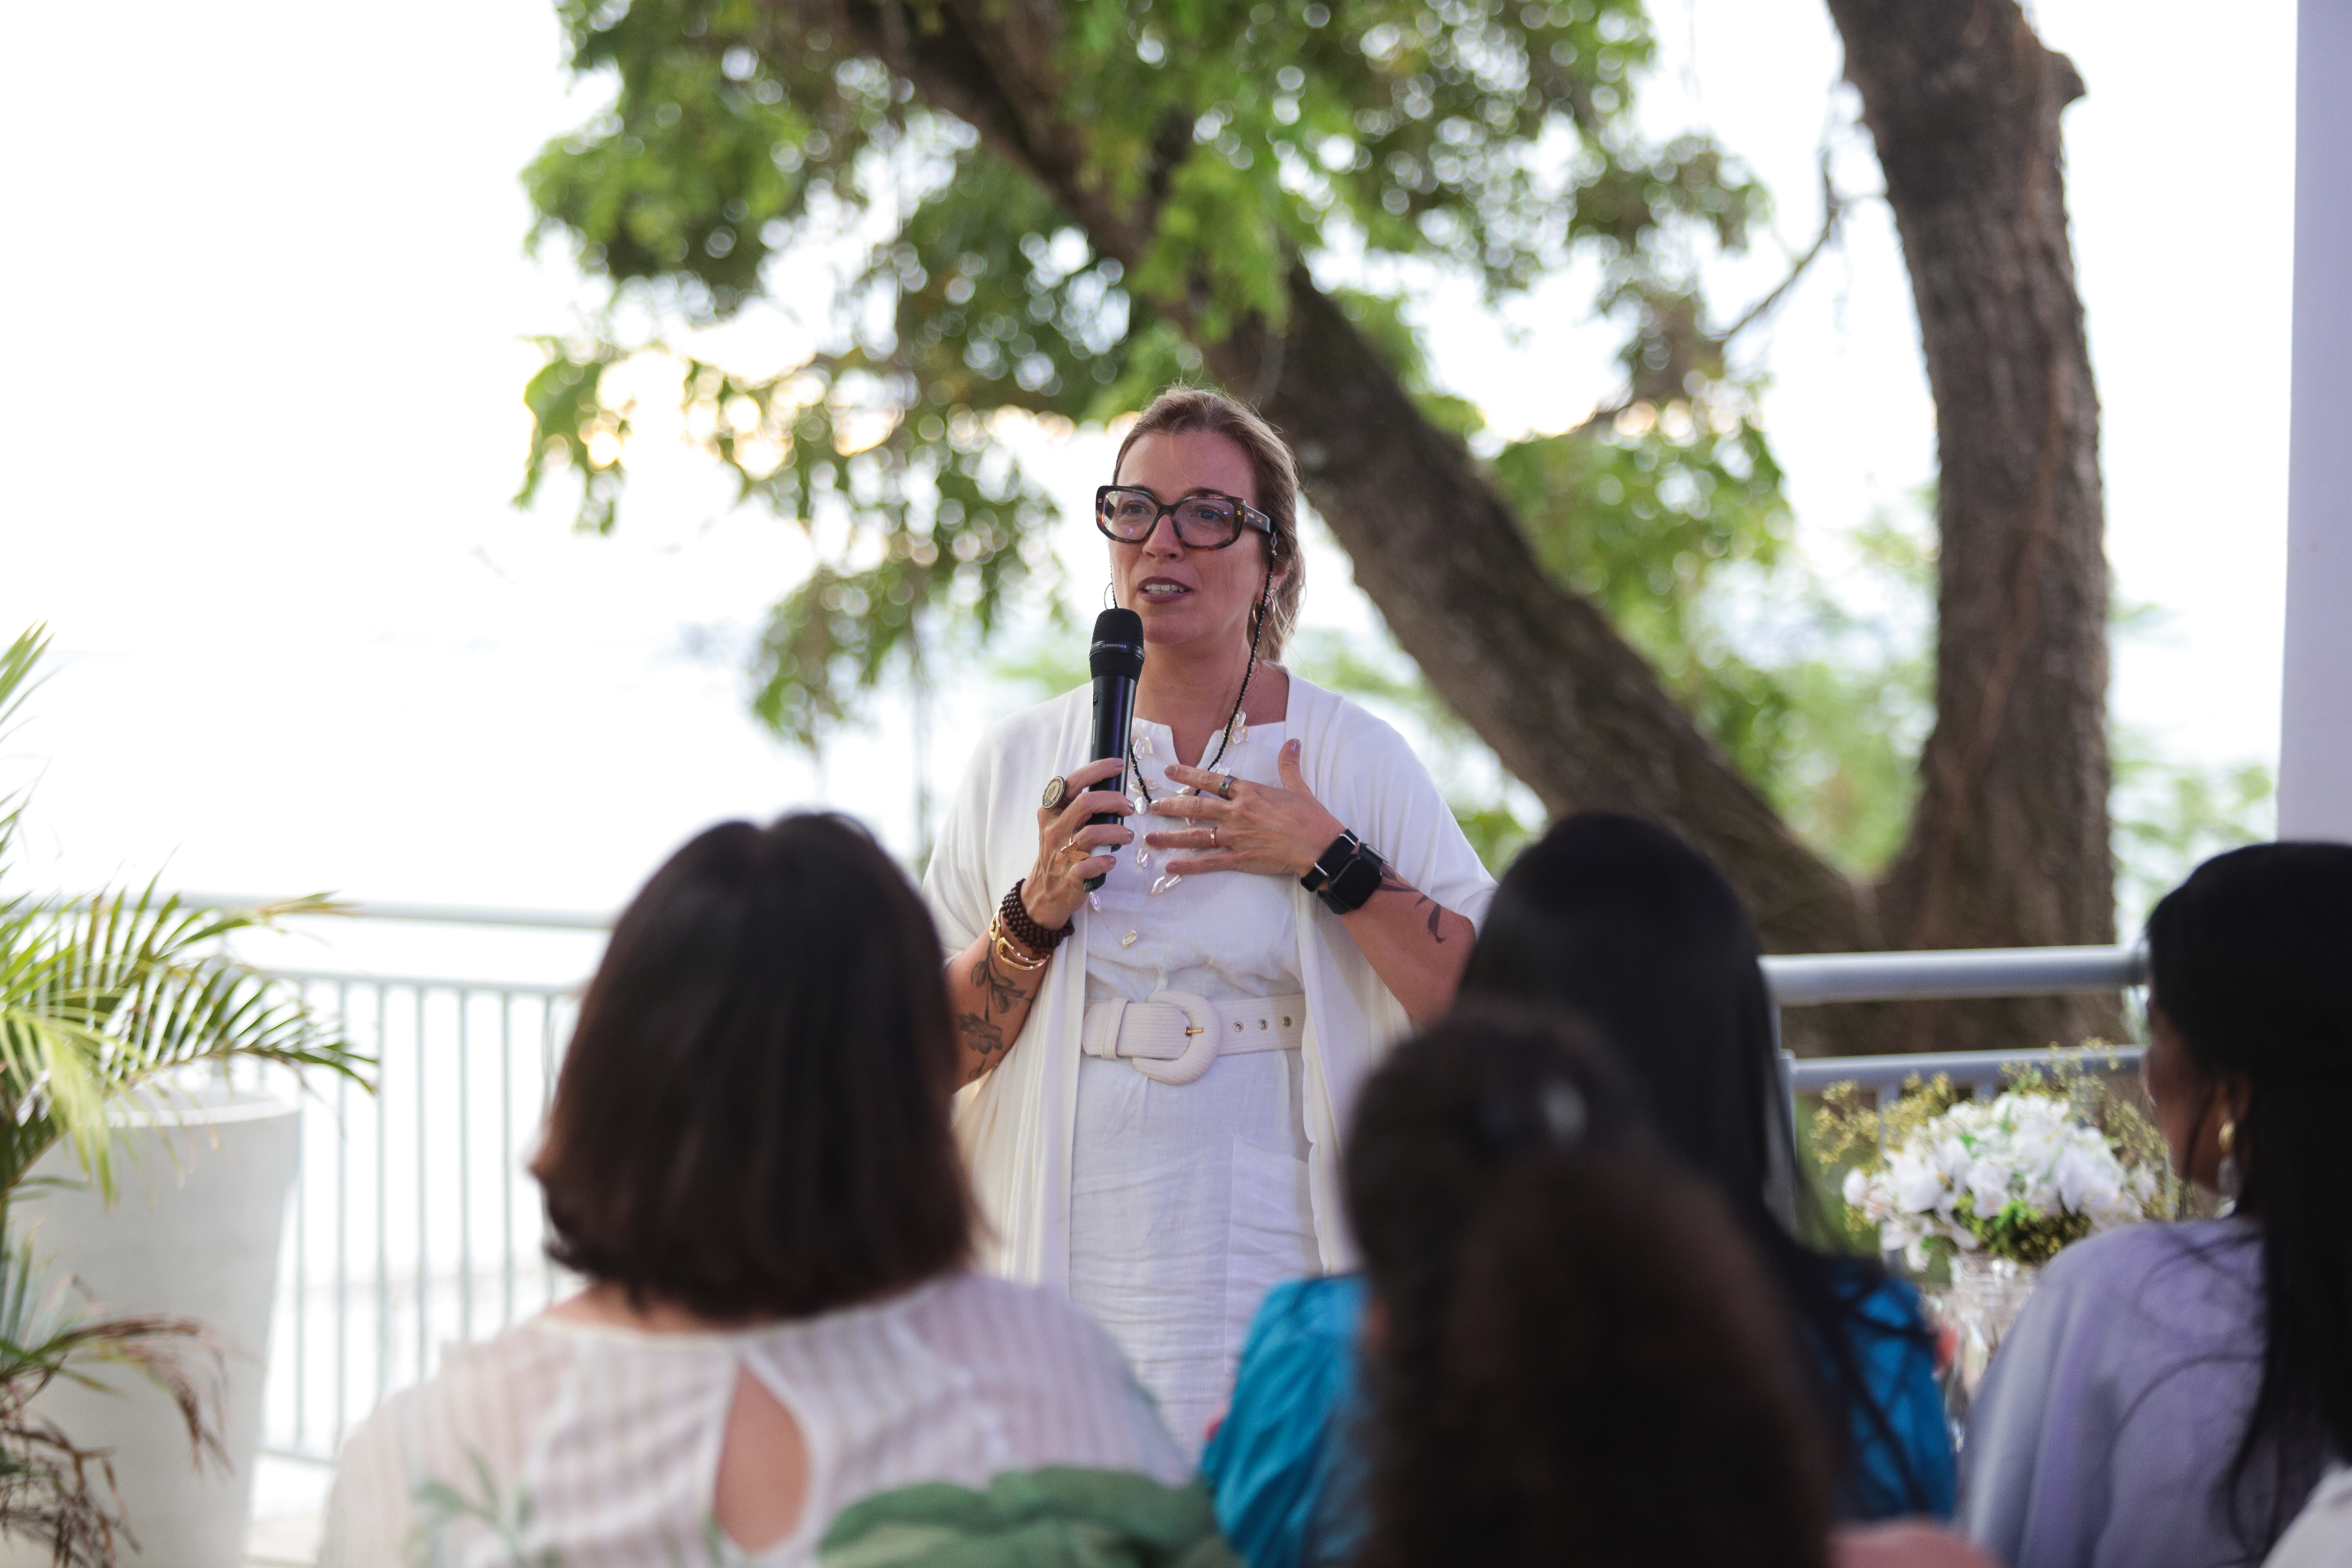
[1015,1124]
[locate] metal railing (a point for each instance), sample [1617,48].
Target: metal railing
[1814,980]
[414,1225]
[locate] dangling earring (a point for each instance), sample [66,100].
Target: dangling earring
[1110,595]
[2227,1178]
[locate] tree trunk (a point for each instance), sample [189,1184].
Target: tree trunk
[1567,704]
[2010,844]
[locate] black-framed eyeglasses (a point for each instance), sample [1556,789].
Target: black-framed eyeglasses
[1204,521]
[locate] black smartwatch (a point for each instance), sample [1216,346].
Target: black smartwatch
[1345,875]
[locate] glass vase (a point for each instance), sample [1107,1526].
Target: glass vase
[1975,1312]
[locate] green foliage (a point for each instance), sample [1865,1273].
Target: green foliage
[2170,816]
[105,1001]
[1217,144]
[1638,515]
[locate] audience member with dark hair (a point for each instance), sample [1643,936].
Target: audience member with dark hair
[1574,1358]
[749,1157]
[2172,1392]
[1623,923]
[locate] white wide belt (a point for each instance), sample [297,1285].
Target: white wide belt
[1174,1038]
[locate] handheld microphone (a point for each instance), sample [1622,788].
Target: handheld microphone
[1116,660]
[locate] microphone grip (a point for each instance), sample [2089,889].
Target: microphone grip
[1114,715]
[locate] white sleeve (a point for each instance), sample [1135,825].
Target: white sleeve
[369,1516]
[956,884]
[1401,812]
[1060,1391]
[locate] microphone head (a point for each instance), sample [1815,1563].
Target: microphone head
[1118,645]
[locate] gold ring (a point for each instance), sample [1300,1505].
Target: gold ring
[1212,835]
[1058,789]
[1070,843]
[1225,786]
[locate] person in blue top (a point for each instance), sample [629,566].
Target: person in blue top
[1623,923]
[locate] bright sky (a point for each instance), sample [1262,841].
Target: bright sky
[259,420]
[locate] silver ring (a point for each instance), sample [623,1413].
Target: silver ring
[1225,786]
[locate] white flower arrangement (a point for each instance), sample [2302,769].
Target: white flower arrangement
[2018,1176]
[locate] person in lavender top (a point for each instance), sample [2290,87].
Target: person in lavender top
[2167,1397]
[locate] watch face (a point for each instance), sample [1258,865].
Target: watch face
[1355,882]
[1338,853]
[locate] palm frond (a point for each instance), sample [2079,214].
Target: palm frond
[49,1485]
[104,1001]
[16,684]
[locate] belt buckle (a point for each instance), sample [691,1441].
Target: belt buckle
[1201,1044]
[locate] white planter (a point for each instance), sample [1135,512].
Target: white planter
[194,1232]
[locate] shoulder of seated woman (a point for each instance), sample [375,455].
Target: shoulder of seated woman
[1329,1307]
[2158,1270]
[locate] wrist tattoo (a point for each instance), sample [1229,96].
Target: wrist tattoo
[1393,883]
[1001,994]
[983,1039]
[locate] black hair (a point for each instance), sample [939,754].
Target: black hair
[2247,960]
[1619,921]
[753,1115]
[1575,1361]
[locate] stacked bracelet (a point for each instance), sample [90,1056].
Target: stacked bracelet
[1018,924]
[1002,947]
[1345,875]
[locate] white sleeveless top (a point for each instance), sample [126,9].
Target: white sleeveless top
[599,1447]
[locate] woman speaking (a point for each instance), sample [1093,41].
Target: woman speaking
[1161,1067]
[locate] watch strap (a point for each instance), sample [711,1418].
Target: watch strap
[1334,859]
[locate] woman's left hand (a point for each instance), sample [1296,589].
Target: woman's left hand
[1275,832]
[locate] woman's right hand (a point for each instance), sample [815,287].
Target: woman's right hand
[1069,850]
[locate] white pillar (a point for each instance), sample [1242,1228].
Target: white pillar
[2315,736]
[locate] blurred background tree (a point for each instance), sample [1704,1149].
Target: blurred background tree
[1055,209]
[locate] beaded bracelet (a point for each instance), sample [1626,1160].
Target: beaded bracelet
[1023,927]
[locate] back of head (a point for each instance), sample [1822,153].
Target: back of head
[1621,921]
[752,1116]
[2247,959]
[1576,1360]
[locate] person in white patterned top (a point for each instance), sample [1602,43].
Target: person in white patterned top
[749,1158]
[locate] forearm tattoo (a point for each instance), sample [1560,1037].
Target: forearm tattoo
[1000,996]
[1393,883]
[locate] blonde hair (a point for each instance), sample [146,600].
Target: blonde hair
[1187,410]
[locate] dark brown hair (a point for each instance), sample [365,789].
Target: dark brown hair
[752,1116]
[1578,1363]
[1624,923]
[1188,410]
[2242,959]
